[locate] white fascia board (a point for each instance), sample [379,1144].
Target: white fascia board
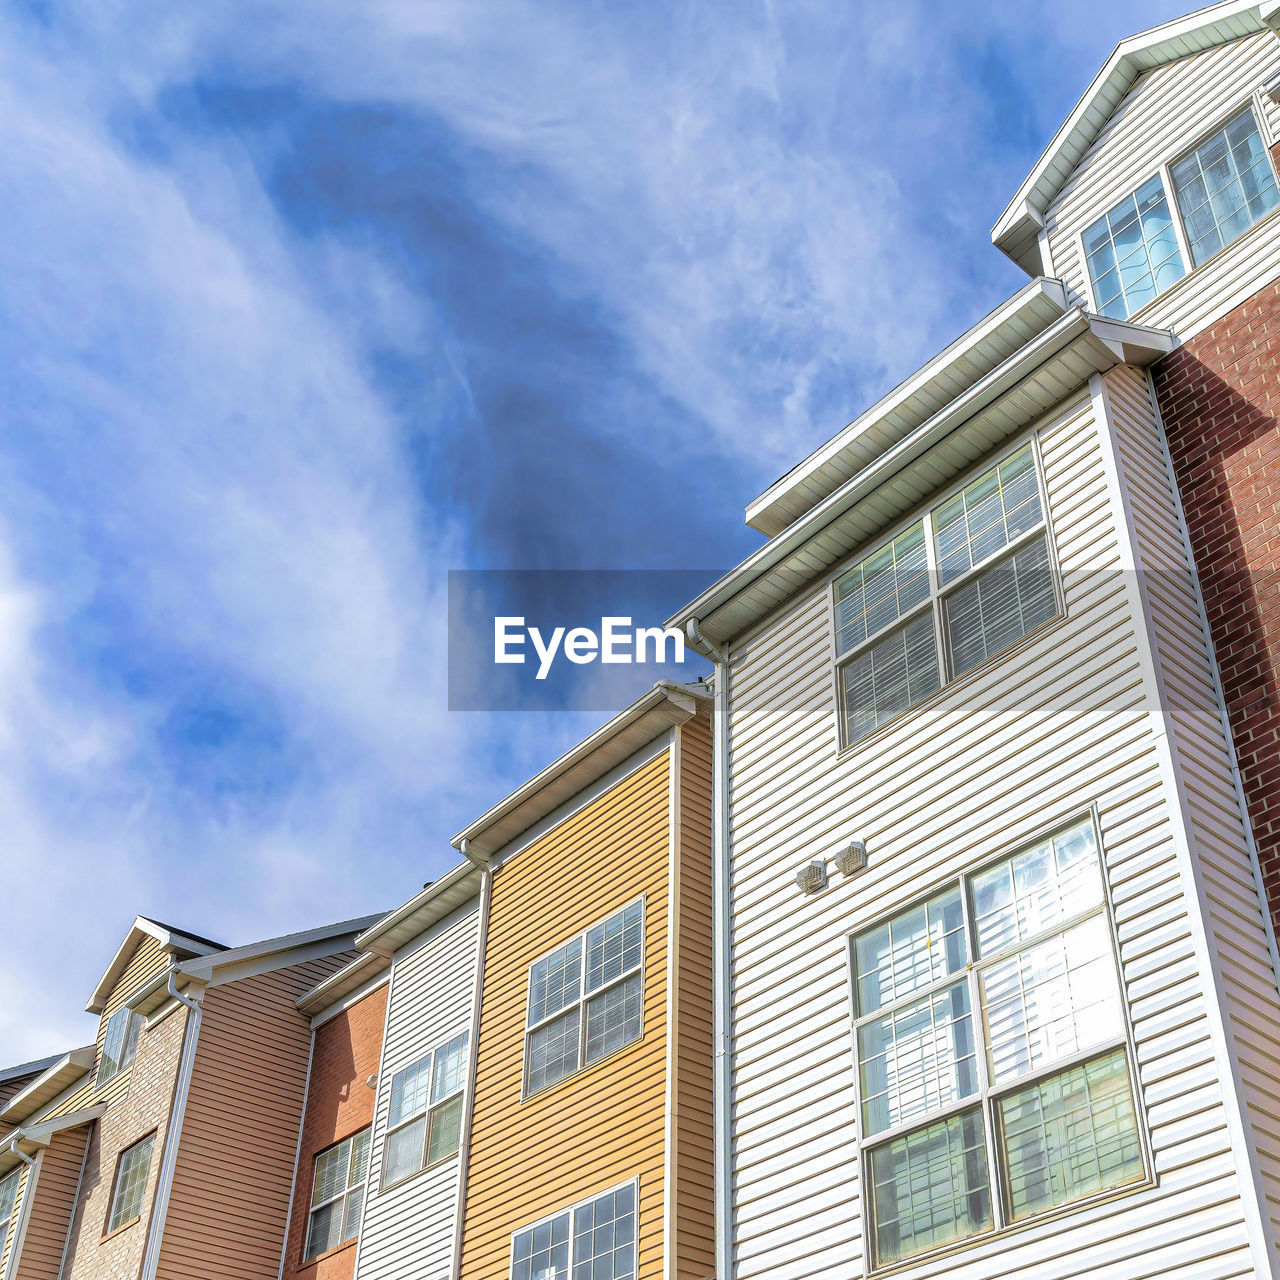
[170,940]
[435,901]
[650,715]
[1115,340]
[1219,23]
[1043,298]
[214,969]
[50,1083]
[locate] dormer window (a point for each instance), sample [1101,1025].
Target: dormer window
[1224,186]
[1132,252]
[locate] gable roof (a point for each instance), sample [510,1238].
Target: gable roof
[53,1080]
[174,941]
[1017,229]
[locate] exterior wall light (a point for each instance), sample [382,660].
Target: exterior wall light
[813,878]
[852,859]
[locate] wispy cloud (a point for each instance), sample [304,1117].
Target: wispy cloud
[304,305]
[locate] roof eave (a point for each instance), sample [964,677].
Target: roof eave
[55,1079]
[787,563]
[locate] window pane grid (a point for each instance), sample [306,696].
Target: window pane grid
[1132,252]
[131,1182]
[1059,1124]
[594,1240]
[1224,186]
[425,1116]
[606,1011]
[945,613]
[8,1198]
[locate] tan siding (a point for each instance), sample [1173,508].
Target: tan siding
[53,1206]
[604,1125]
[239,1137]
[23,1179]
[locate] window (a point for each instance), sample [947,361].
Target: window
[595,1240]
[990,1028]
[337,1194]
[119,1044]
[1132,252]
[8,1198]
[966,581]
[425,1124]
[586,999]
[131,1182]
[1224,186]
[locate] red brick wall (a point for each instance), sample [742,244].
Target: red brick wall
[1220,398]
[348,1050]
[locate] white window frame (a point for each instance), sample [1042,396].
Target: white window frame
[347,1190]
[112,1225]
[1161,171]
[571,1210]
[129,1042]
[986,1099]
[428,1111]
[938,595]
[10,1180]
[1242,105]
[584,998]
[1165,170]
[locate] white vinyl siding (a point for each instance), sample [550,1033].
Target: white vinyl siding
[586,999]
[337,1194]
[1172,106]
[408,1229]
[1236,913]
[1011,752]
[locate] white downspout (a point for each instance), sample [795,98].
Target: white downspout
[464,1140]
[173,1134]
[28,1194]
[721,951]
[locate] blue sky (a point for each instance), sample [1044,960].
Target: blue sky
[302,305]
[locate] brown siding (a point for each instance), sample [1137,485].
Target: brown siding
[348,1050]
[235,1163]
[145,963]
[53,1206]
[604,1125]
[692,1196]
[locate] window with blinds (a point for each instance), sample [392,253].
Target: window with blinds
[425,1120]
[586,999]
[992,1071]
[8,1199]
[337,1194]
[965,582]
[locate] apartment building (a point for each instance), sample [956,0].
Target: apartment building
[588,1145]
[513,1077]
[999,976]
[166,1148]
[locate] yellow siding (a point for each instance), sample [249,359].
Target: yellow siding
[693,1216]
[604,1125]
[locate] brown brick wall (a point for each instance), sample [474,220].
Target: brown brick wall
[348,1050]
[1219,395]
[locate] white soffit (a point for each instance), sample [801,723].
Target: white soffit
[64,1071]
[949,374]
[41,1135]
[1017,230]
[1050,368]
